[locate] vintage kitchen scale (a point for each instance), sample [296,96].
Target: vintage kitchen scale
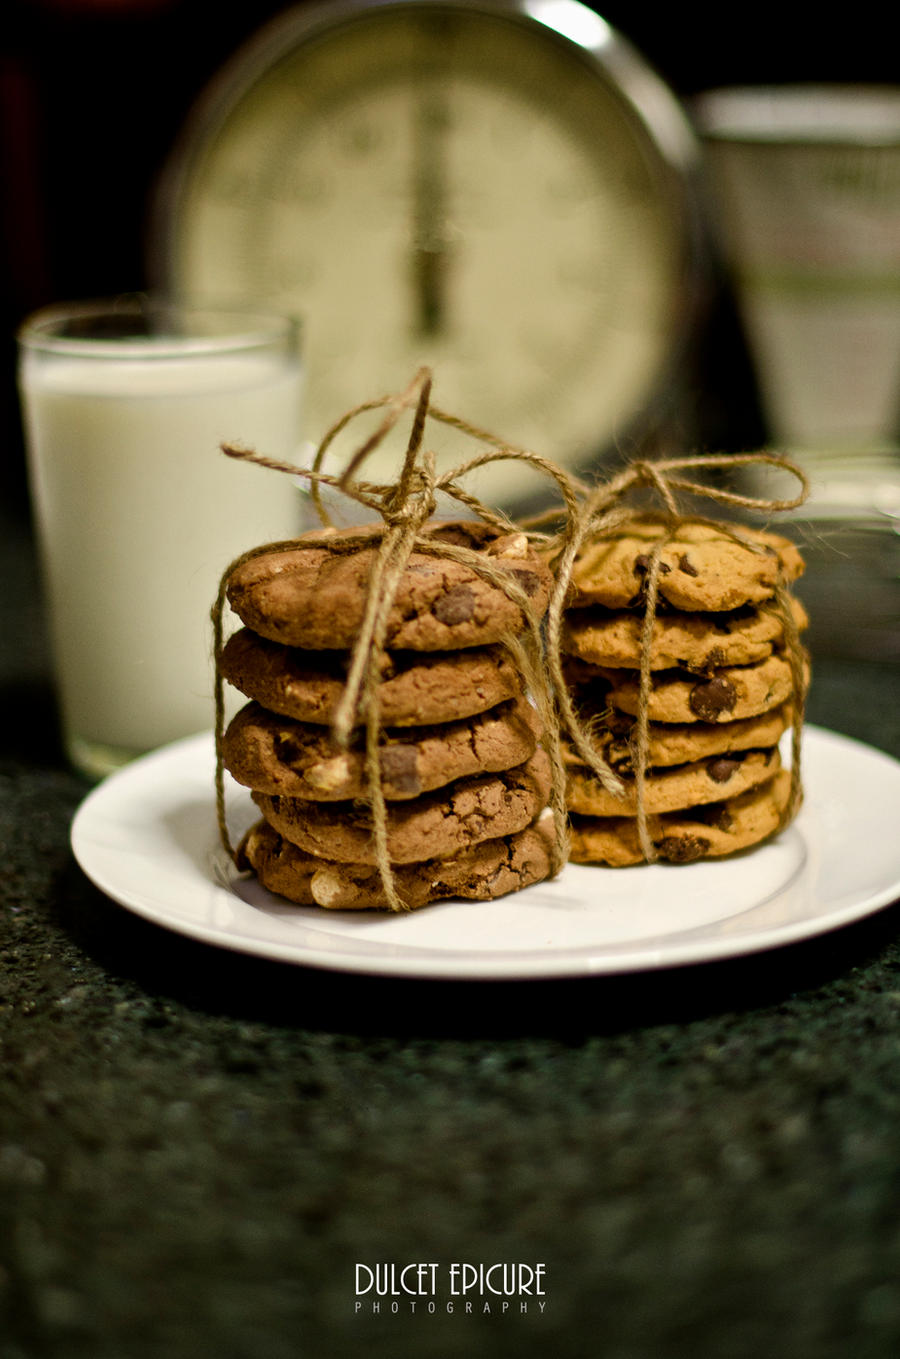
[499,188]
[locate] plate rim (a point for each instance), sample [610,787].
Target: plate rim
[420,962]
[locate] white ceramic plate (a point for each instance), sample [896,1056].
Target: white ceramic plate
[147,838]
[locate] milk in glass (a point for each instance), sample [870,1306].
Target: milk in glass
[140,512]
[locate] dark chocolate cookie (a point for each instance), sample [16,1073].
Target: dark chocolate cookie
[276,755]
[435,825]
[415,688]
[315,597]
[483,871]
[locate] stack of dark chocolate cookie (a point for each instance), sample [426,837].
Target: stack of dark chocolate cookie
[722,689]
[462,771]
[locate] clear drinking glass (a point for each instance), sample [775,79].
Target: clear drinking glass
[805,188]
[137,510]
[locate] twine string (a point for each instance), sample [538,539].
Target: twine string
[405,511]
[642,725]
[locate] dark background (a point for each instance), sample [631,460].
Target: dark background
[93,93]
[195,1146]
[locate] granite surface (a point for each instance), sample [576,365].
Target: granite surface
[197,1148]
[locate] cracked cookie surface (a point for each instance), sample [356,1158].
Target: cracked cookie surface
[435,825]
[481,872]
[315,597]
[415,688]
[276,755]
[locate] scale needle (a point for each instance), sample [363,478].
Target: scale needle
[430,236]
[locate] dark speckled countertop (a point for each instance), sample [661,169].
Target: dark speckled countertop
[197,1148]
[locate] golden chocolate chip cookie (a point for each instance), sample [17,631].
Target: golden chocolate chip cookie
[726,695]
[669,790]
[683,836]
[670,743]
[688,641]
[701,567]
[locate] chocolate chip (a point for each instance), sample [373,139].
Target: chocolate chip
[721,770]
[682,849]
[456,606]
[528,581]
[398,768]
[462,534]
[712,660]
[715,814]
[642,564]
[621,757]
[287,749]
[687,566]
[730,620]
[712,698]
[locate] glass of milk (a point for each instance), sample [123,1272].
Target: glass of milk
[805,184]
[138,512]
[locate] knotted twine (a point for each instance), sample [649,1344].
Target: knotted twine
[405,508]
[603,508]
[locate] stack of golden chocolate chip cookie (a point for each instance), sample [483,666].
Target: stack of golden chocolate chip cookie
[462,772]
[721,691]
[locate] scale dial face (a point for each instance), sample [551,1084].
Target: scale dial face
[458,185]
